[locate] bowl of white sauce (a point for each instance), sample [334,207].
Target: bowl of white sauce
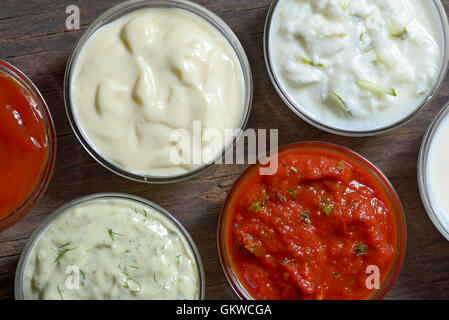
[110,247]
[157,91]
[356,67]
[433,171]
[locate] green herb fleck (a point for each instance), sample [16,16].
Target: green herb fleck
[340,165]
[354,204]
[376,87]
[305,216]
[82,273]
[281,198]
[336,35]
[376,62]
[64,245]
[328,209]
[61,252]
[360,249]
[309,62]
[286,261]
[112,234]
[336,275]
[255,206]
[127,286]
[60,294]
[293,193]
[294,169]
[144,212]
[341,103]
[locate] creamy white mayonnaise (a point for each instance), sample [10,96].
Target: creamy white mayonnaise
[437,172]
[356,64]
[151,72]
[111,249]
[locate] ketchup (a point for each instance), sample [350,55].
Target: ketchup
[23,145]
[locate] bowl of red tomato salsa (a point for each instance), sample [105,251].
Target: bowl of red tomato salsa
[327,225]
[27,145]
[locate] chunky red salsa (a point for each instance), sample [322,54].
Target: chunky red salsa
[23,145]
[311,230]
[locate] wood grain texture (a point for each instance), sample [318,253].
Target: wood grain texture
[33,37]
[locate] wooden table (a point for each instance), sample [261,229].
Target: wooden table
[33,37]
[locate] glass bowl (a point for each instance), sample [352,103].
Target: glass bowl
[19,277]
[115,13]
[384,183]
[47,170]
[296,107]
[437,217]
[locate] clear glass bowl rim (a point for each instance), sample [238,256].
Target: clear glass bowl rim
[422,168]
[389,189]
[126,7]
[48,169]
[298,110]
[19,281]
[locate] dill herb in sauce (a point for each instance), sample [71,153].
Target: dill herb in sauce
[60,294]
[305,216]
[112,234]
[61,252]
[126,284]
[293,193]
[282,198]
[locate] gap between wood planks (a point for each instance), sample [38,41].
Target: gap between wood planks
[40,35]
[85,25]
[10,255]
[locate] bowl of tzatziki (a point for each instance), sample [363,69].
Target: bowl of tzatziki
[110,247]
[356,68]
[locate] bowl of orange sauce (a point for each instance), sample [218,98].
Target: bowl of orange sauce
[27,145]
[327,225]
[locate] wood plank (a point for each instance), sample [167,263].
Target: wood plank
[33,37]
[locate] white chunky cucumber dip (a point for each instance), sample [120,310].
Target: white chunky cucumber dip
[356,65]
[111,249]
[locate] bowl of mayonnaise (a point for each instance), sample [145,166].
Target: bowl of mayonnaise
[157,91]
[433,171]
[356,68]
